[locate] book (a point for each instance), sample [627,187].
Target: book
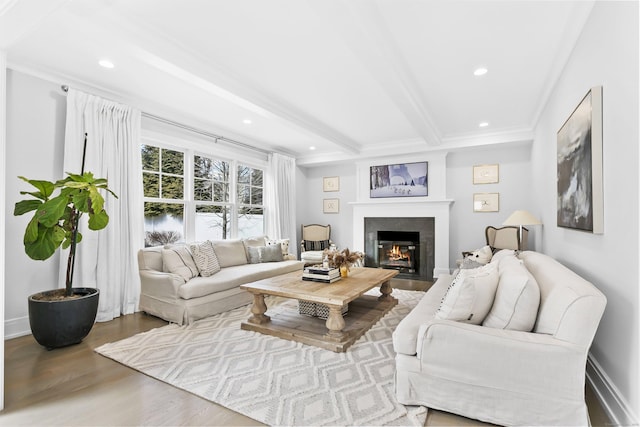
[313,279]
[320,276]
[322,270]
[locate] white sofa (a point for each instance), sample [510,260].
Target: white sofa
[184,296]
[503,376]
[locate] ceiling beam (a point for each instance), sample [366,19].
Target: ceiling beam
[374,45]
[204,73]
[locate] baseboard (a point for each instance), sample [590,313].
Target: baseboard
[614,405]
[14,328]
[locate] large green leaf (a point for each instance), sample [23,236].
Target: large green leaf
[97,201]
[31,232]
[49,239]
[25,206]
[49,212]
[81,200]
[45,188]
[68,239]
[99,220]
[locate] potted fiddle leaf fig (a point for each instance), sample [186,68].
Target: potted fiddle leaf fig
[62,317]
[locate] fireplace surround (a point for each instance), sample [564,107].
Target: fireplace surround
[403,244]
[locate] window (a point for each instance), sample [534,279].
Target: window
[195,197]
[250,205]
[163,183]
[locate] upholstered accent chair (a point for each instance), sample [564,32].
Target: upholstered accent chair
[315,239]
[506,238]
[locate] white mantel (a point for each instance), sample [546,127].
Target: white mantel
[395,208]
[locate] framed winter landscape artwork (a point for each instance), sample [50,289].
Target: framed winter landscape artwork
[399,180]
[579,157]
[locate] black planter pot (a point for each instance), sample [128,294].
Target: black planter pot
[61,323]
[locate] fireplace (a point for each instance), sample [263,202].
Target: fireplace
[403,244]
[399,250]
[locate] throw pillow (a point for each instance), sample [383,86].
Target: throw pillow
[470,296]
[205,258]
[259,254]
[517,298]
[284,243]
[230,252]
[178,260]
[468,263]
[316,245]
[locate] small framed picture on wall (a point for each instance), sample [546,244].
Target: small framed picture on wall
[486,202]
[486,174]
[331,183]
[331,206]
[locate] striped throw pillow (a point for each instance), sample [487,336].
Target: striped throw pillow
[205,258]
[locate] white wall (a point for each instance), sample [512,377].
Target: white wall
[3,137]
[467,231]
[310,196]
[606,54]
[35,137]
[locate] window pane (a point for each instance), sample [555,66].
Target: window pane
[256,196]
[172,162]
[256,177]
[172,187]
[220,170]
[203,167]
[151,183]
[213,222]
[244,174]
[163,223]
[150,158]
[250,222]
[244,193]
[220,192]
[202,190]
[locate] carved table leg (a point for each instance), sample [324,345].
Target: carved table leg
[385,290]
[335,323]
[258,309]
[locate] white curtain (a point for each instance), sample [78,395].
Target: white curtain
[280,194]
[107,259]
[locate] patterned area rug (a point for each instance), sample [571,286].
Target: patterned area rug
[275,381]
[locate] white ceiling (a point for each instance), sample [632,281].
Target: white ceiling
[352,78]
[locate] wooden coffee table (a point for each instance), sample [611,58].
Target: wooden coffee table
[338,332]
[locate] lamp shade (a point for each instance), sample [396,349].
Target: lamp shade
[521,218]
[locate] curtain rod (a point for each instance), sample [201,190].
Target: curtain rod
[215,137]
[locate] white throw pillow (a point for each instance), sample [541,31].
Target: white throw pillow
[470,295]
[517,298]
[205,258]
[178,260]
[284,243]
[230,252]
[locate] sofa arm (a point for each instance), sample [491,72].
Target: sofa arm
[160,285]
[522,362]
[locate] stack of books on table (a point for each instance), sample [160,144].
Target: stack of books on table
[321,274]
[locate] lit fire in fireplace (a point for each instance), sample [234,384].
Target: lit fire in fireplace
[395,254]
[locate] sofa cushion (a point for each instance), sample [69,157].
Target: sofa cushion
[517,298]
[178,260]
[230,252]
[205,258]
[253,242]
[284,244]
[470,296]
[231,277]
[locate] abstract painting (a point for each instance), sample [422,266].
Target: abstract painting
[579,158]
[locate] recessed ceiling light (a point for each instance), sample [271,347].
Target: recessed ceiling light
[312,148]
[483,124]
[480,71]
[106,63]
[247,121]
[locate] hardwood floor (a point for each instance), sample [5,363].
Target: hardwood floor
[76,386]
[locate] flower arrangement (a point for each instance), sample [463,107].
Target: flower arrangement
[343,259]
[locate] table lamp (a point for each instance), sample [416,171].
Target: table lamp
[520,218]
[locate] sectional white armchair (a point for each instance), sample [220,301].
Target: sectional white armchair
[499,374]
